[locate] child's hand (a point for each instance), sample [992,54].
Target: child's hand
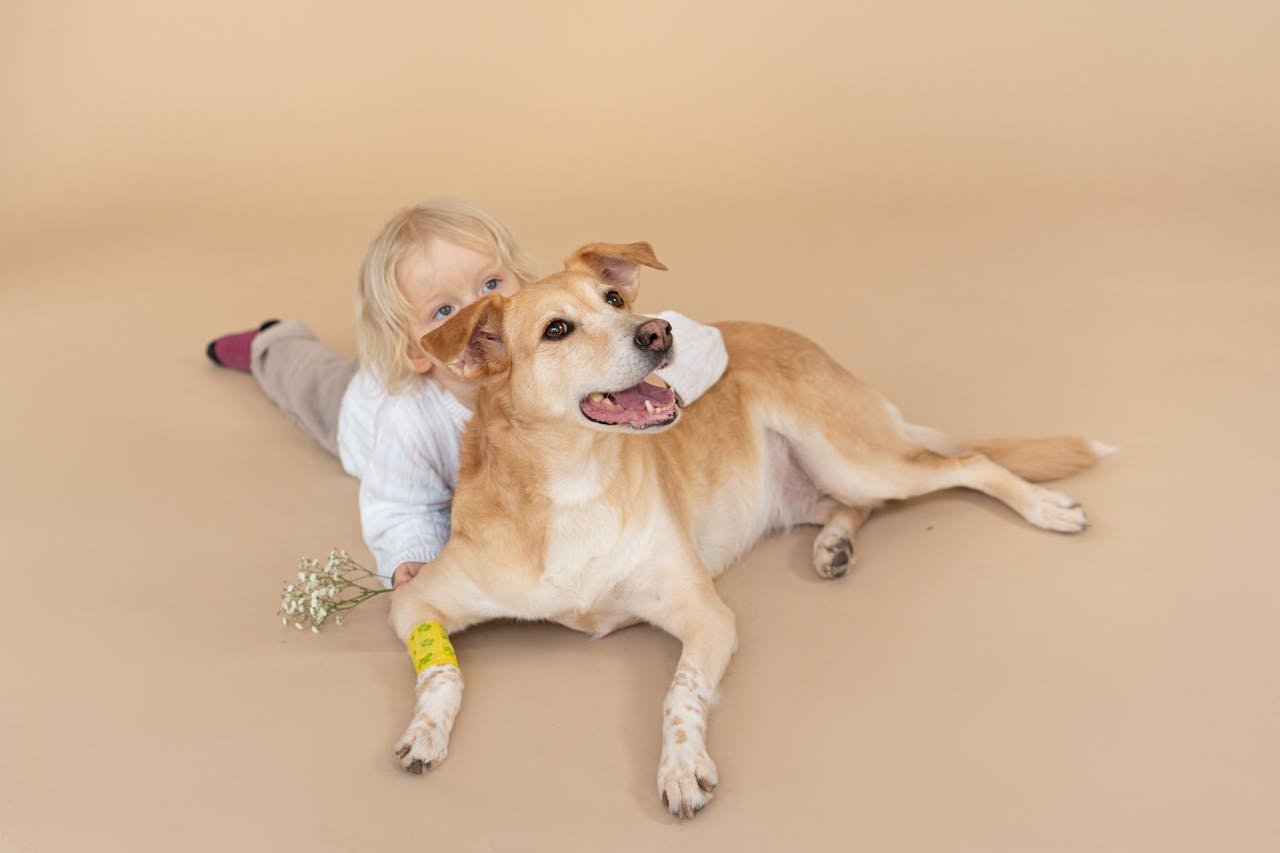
[404,573]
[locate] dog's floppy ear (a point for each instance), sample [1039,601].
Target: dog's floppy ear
[617,264]
[471,343]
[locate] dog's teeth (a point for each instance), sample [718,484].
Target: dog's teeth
[648,406]
[596,398]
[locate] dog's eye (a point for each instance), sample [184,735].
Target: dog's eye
[615,299]
[557,329]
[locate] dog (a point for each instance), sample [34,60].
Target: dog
[587,496]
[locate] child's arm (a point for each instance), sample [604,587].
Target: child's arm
[402,535]
[404,500]
[700,359]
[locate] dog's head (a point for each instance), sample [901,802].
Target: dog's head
[569,348]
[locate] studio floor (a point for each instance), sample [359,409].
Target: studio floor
[974,684]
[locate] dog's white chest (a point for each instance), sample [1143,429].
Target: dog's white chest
[587,554]
[591,547]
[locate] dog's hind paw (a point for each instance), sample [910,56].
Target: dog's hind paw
[1055,511]
[833,554]
[686,784]
[422,746]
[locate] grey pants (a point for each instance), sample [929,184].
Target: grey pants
[304,377]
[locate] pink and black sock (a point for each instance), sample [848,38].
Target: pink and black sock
[235,350]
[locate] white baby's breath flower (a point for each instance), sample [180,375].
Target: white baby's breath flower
[328,590]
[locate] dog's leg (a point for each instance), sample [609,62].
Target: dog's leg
[833,555]
[425,742]
[705,625]
[912,470]
[445,595]
[929,472]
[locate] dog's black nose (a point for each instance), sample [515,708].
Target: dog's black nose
[654,335]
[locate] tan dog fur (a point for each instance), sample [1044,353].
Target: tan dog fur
[595,527]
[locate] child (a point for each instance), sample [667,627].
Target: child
[395,422]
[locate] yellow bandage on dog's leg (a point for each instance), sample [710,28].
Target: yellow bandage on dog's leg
[429,646]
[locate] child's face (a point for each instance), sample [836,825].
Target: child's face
[438,279]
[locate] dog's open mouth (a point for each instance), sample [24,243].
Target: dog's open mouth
[649,403]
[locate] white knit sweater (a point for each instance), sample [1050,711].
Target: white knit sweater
[404,447]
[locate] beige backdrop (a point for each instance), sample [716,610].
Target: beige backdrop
[1014,218]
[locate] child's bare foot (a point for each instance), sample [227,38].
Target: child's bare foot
[234,350]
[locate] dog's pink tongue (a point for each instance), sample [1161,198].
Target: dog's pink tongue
[646,404]
[634,397]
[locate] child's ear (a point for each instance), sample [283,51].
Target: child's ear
[471,343]
[616,264]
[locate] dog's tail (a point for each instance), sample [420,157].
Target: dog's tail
[1034,459]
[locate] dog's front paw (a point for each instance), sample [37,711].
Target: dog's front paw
[1055,511]
[424,744]
[833,554]
[686,781]
[426,741]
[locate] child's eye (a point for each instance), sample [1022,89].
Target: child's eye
[491,285]
[442,312]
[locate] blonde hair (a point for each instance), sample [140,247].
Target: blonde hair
[383,317]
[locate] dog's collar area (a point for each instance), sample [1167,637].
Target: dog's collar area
[648,403]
